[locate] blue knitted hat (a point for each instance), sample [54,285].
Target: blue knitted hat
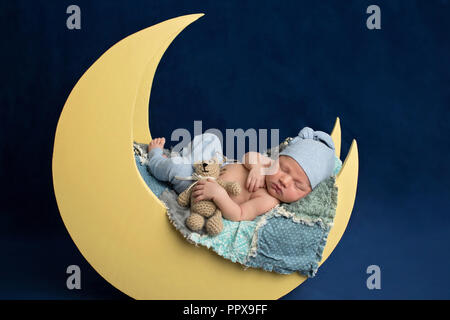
[314,152]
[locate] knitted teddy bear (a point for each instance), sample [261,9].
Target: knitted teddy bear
[205,212]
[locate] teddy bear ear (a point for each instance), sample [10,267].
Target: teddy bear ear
[197,163]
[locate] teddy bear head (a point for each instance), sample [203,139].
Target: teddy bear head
[209,168]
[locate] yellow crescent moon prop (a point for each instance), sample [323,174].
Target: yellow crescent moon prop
[117,223]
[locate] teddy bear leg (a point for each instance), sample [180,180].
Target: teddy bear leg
[195,222]
[214,225]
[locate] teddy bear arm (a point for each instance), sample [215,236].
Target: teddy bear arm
[232,188]
[222,183]
[184,197]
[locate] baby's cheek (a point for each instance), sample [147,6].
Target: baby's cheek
[292,195]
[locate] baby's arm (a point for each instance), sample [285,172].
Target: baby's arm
[258,166]
[246,211]
[255,159]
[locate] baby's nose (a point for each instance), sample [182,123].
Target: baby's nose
[286,180]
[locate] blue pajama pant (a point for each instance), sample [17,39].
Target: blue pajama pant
[202,147]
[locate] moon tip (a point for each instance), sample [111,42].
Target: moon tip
[336,136]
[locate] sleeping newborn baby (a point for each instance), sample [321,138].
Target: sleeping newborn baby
[307,160]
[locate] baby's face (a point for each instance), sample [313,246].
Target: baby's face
[289,183]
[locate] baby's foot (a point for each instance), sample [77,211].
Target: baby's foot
[157,143]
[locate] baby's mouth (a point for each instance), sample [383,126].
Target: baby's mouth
[276,188]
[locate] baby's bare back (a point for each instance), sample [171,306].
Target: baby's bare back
[237,172]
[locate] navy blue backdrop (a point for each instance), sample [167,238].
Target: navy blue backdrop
[258,64]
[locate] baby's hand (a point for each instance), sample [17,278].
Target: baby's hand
[255,179]
[206,189]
